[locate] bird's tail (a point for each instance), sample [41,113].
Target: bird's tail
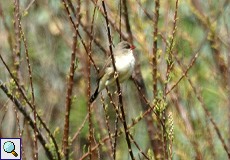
[94,96]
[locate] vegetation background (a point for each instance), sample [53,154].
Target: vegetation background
[175,106]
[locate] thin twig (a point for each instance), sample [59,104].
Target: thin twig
[134,122]
[89,86]
[17,45]
[127,24]
[146,13]
[118,85]
[30,105]
[80,129]
[154,53]
[32,91]
[114,147]
[96,41]
[111,22]
[192,61]
[65,144]
[157,142]
[168,71]
[107,126]
[138,147]
[120,9]
[27,116]
[207,113]
[170,49]
[69,98]
[76,30]
[28,7]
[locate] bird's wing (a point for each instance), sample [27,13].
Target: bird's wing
[107,65]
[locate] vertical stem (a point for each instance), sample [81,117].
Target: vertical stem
[17,39]
[32,93]
[158,150]
[88,66]
[89,108]
[21,91]
[169,68]
[120,10]
[115,137]
[27,116]
[154,57]
[68,98]
[228,87]
[88,88]
[118,86]
[65,144]
[126,15]
[117,113]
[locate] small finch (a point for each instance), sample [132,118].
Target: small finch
[124,62]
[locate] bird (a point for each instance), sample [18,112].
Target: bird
[124,62]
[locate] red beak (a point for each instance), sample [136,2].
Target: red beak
[132,47]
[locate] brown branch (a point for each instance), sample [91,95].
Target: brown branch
[89,86]
[105,108]
[169,68]
[120,11]
[118,85]
[138,147]
[111,22]
[154,57]
[157,143]
[65,144]
[17,45]
[116,136]
[127,24]
[21,91]
[134,122]
[76,30]
[228,82]
[32,92]
[69,98]
[114,146]
[96,41]
[30,120]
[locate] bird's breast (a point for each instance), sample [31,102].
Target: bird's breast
[125,63]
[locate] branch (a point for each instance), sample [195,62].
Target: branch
[31,106]
[32,90]
[126,15]
[65,144]
[207,113]
[154,56]
[118,85]
[27,116]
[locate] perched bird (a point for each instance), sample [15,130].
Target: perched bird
[124,62]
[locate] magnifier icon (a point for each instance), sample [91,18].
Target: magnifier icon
[9,147]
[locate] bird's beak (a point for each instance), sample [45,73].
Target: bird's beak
[132,47]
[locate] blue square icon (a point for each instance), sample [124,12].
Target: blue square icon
[10,149]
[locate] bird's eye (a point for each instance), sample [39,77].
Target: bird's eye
[127,46]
